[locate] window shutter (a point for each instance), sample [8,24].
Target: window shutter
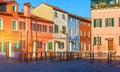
[3,47]
[112,22]
[3,7]
[100,22]
[94,22]
[94,40]
[106,22]
[100,41]
[50,45]
[114,1]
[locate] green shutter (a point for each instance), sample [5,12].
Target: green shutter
[114,1]
[14,25]
[17,45]
[106,22]
[94,22]
[3,47]
[94,40]
[3,7]
[100,22]
[13,8]
[50,45]
[112,22]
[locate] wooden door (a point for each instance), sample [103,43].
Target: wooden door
[110,45]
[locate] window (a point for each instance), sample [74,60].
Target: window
[16,46]
[1,24]
[63,16]
[44,28]
[22,25]
[14,25]
[23,44]
[88,24]
[56,28]
[61,45]
[50,46]
[3,8]
[70,19]
[39,27]
[33,27]
[97,40]
[88,34]
[119,22]
[2,47]
[14,8]
[81,33]
[55,14]
[64,29]
[75,31]
[51,29]
[81,45]
[39,44]
[74,44]
[97,22]
[109,22]
[70,31]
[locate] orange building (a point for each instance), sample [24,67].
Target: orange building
[85,35]
[22,31]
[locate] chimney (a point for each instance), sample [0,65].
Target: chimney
[27,9]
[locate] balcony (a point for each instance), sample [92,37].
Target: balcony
[104,4]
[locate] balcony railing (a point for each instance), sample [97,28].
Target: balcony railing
[105,6]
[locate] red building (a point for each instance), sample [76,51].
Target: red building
[22,31]
[85,35]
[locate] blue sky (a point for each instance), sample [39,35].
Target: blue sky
[78,7]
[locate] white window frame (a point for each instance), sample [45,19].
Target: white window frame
[15,7]
[1,23]
[16,25]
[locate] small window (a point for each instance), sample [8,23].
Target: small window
[14,25]
[74,44]
[23,44]
[22,25]
[81,33]
[51,29]
[3,8]
[64,29]
[76,32]
[39,44]
[88,34]
[97,22]
[63,16]
[97,40]
[39,27]
[61,45]
[44,28]
[14,8]
[56,29]
[70,31]
[33,27]
[1,24]
[55,14]
[109,22]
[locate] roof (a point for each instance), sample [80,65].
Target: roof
[11,1]
[35,17]
[79,17]
[5,13]
[55,8]
[73,15]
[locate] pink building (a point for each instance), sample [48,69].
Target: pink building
[105,36]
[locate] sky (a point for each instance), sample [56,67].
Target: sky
[78,7]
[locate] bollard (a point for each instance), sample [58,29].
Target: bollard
[67,56]
[41,55]
[52,57]
[60,57]
[36,56]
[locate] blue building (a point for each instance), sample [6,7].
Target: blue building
[73,32]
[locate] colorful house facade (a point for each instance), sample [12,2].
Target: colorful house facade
[59,17]
[22,31]
[85,34]
[105,26]
[73,32]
